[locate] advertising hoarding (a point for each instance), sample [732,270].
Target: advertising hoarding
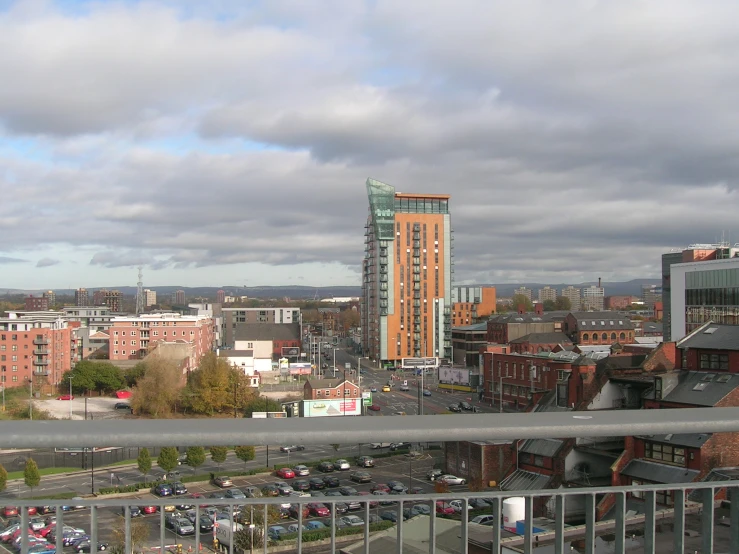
[265,415]
[330,408]
[301,368]
[454,375]
[367,398]
[408,363]
[291,351]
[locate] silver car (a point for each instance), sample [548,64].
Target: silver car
[301,470]
[342,465]
[184,527]
[353,521]
[451,480]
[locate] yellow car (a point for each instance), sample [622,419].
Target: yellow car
[386,388]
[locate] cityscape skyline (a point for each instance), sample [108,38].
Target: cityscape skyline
[567,160]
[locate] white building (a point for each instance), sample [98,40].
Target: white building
[150,297]
[593,298]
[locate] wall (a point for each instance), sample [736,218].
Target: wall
[606,398]
[693,359]
[478,462]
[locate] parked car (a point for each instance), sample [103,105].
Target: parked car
[163,489]
[451,480]
[223,481]
[276,532]
[149,509]
[292,448]
[65,397]
[353,521]
[10,511]
[36,524]
[252,492]
[301,485]
[454,408]
[316,483]
[331,481]
[360,476]
[420,509]
[380,487]
[342,465]
[314,525]
[179,488]
[417,490]
[458,506]
[389,516]
[366,461]
[318,509]
[205,524]
[396,487]
[235,494]
[399,445]
[478,503]
[432,474]
[301,470]
[270,490]
[122,406]
[325,467]
[484,520]
[348,491]
[285,473]
[85,546]
[444,508]
[295,510]
[466,406]
[284,488]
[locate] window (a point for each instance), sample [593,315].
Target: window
[318,392]
[613,336]
[115,333]
[327,392]
[123,333]
[123,352]
[156,333]
[347,392]
[604,336]
[622,336]
[585,337]
[665,452]
[714,361]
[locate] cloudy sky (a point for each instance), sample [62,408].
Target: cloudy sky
[228,142]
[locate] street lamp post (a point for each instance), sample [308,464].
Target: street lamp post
[70,397]
[30,398]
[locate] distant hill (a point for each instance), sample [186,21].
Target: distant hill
[632,288]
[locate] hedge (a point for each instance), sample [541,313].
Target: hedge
[321,534]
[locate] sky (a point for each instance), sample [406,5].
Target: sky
[228,142]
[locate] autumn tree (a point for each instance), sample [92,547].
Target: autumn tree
[144,462]
[139,535]
[255,515]
[218,454]
[349,318]
[157,392]
[3,478]
[195,456]
[216,386]
[31,475]
[562,303]
[244,453]
[519,300]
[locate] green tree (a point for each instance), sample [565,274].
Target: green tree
[562,303]
[157,392]
[88,375]
[31,475]
[521,300]
[195,456]
[3,478]
[335,447]
[218,454]
[549,305]
[245,453]
[255,514]
[133,375]
[144,462]
[217,387]
[167,459]
[108,378]
[261,404]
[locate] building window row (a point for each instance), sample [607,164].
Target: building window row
[665,453]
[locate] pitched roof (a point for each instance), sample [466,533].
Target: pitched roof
[712,337]
[544,338]
[541,447]
[326,383]
[267,331]
[652,327]
[475,327]
[701,388]
[691,440]
[522,480]
[601,321]
[659,473]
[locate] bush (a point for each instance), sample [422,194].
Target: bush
[321,534]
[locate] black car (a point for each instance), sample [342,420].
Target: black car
[478,503]
[316,483]
[348,491]
[399,445]
[389,516]
[396,487]
[122,406]
[179,488]
[325,467]
[84,546]
[331,481]
[206,524]
[455,408]
[466,406]
[301,485]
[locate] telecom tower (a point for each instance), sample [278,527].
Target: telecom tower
[140,299]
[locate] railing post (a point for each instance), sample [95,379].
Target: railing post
[399,548]
[24,528]
[93,528]
[333,528]
[366,526]
[528,528]
[589,524]
[620,523]
[127,529]
[265,537]
[465,526]
[734,518]
[559,524]
[161,528]
[300,526]
[649,521]
[59,531]
[432,528]
[707,520]
[497,502]
[678,533]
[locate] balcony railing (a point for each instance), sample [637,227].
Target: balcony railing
[41,342]
[692,502]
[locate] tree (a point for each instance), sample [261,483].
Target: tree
[218,454]
[144,462]
[139,534]
[167,459]
[89,375]
[108,378]
[255,515]
[549,305]
[31,475]
[244,453]
[349,318]
[261,404]
[562,303]
[335,447]
[133,375]
[216,386]
[519,300]
[195,456]
[3,478]
[157,392]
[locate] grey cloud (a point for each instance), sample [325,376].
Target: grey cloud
[8,260]
[46,262]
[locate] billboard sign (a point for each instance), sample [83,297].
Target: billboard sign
[291,351]
[330,408]
[265,415]
[454,376]
[419,362]
[367,398]
[301,368]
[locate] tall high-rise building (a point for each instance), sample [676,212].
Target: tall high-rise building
[50,296]
[98,297]
[113,299]
[36,303]
[221,297]
[150,297]
[523,291]
[573,295]
[593,298]
[406,275]
[547,293]
[472,304]
[81,297]
[178,298]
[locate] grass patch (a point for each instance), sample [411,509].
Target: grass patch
[45,471]
[58,496]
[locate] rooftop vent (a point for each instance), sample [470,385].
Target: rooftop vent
[700,386]
[708,377]
[723,378]
[710,331]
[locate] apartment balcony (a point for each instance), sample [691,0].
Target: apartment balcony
[41,372]
[42,351]
[41,342]
[41,361]
[695,522]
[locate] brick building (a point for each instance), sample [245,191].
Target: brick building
[36,303]
[324,389]
[504,328]
[534,343]
[481,463]
[598,328]
[619,302]
[472,304]
[267,337]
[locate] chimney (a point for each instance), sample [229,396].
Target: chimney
[539,308]
[521,309]
[599,282]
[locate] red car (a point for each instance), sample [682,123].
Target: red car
[294,510]
[32,510]
[286,473]
[444,508]
[374,407]
[318,509]
[372,503]
[10,511]
[149,509]
[65,397]
[380,487]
